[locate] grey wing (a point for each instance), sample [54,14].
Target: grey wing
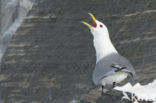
[104,66]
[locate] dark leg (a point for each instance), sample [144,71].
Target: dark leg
[114,84]
[102,90]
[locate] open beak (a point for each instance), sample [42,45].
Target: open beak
[94,21]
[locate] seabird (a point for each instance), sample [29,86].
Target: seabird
[111,67]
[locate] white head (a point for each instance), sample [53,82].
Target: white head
[98,29]
[102,42]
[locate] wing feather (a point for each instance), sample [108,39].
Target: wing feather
[104,66]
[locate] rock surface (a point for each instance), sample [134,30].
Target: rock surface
[51,57]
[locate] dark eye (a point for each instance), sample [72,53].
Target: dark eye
[101,26]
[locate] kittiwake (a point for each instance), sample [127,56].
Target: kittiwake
[111,67]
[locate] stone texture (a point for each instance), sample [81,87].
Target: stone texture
[7,16]
[51,57]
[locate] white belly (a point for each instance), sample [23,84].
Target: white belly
[116,77]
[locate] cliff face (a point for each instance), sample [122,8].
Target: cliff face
[12,14]
[10,11]
[50,59]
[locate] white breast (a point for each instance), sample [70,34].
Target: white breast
[116,77]
[103,47]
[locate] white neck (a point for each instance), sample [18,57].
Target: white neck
[103,46]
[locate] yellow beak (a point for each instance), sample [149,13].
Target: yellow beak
[94,21]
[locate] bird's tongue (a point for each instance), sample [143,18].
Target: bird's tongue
[94,24]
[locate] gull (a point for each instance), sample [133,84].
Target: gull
[111,68]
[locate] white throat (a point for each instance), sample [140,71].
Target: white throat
[103,46]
